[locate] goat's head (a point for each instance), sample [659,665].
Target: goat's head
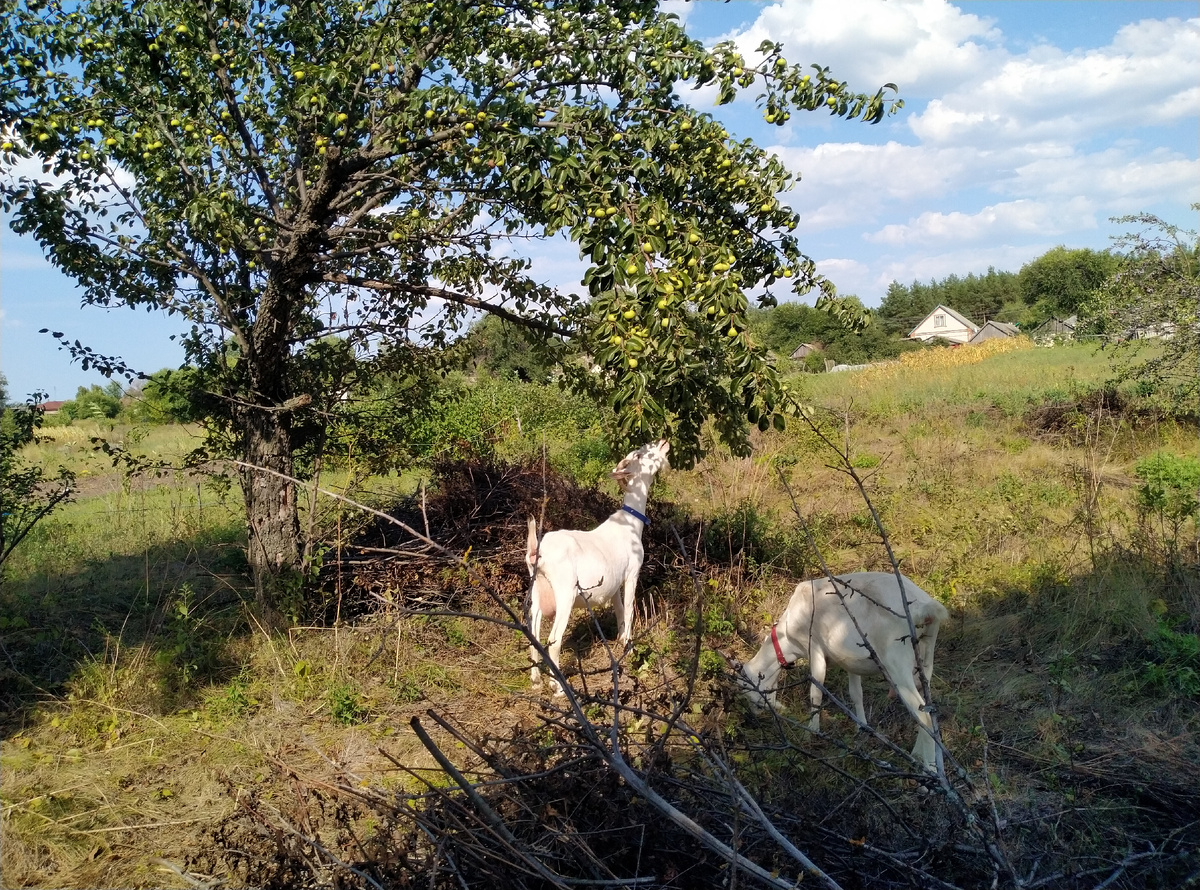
[757,689]
[645,461]
[758,679]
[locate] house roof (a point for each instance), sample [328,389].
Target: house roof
[957,316]
[1006,327]
[809,346]
[1068,324]
[52,406]
[1000,328]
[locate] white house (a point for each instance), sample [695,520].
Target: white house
[943,322]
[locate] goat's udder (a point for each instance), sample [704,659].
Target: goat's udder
[545,597]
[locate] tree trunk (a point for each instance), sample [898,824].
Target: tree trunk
[274,546]
[263,422]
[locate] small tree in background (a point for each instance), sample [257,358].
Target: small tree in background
[171,395]
[496,346]
[277,173]
[95,402]
[28,494]
[1149,307]
[1061,281]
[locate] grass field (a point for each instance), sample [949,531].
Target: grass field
[143,701]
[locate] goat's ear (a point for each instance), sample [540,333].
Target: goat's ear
[663,446]
[622,473]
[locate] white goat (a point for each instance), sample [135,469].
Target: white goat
[820,625]
[574,568]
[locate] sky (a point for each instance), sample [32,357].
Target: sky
[1026,125]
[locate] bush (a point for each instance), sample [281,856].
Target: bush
[1167,497]
[1175,668]
[94,403]
[27,493]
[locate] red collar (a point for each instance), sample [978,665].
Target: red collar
[779,652]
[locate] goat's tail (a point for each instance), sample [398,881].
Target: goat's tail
[531,547]
[929,613]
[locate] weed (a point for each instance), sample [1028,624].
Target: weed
[457,634]
[346,706]
[1167,497]
[711,665]
[643,657]
[748,536]
[233,701]
[1175,668]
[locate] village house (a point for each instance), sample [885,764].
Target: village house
[1055,329]
[946,324]
[991,330]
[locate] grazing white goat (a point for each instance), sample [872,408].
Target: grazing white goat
[573,568]
[819,625]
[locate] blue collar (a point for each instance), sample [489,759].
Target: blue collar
[630,510]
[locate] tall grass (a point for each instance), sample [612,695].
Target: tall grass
[1008,375]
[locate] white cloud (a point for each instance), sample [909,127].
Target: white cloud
[850,276]
[1149,74]
[849,182]
[923,267]
[680,8]
[1112,177]
[921,45]
[997,222]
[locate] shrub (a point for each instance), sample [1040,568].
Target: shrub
[1167,497]
[1175,668]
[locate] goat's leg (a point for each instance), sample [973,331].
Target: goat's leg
[624,607]
[923,749]
[816,667]
[558,631]
[856,697]
[535,659]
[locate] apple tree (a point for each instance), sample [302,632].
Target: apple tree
[279,174]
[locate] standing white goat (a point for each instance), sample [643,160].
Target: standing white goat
[825,627]
[573,568]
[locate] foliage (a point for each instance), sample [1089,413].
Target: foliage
[28,494]
[167,396]
[460,418]
[1175,668]
[748,536]
[95,402]
[364,170]
[501,348]
[1061,281]
[1149,306]
[784,327]
[346,706]
[1169,493]
[978,297]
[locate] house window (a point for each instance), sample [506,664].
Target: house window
[939,321]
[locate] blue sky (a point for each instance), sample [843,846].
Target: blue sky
[1027,125]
